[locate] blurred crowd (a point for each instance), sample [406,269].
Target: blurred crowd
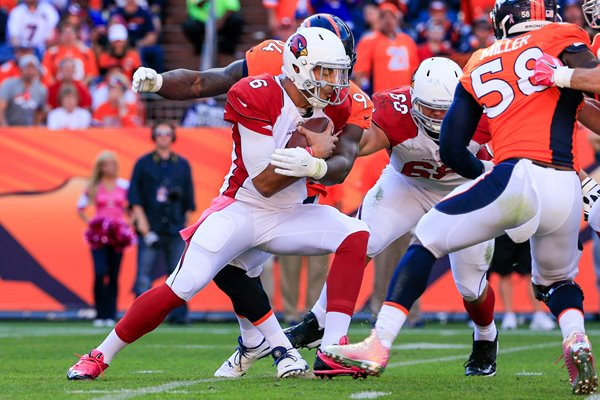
[67,64]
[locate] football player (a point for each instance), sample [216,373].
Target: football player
[260,207]
[267,57]
[533,192]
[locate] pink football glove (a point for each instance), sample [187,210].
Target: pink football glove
[545,67]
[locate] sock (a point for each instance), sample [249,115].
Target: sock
[319,309]
[571,320]
[269,327]
[487,333]
[251,337]
[336,326]
[346,273]
[482,313]
[111,346]
[147,312]
[390,319]
[410,276]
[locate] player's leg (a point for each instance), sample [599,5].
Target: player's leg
[209,250]
[387,222]
[555,255]
[470,214]
[469,269]
[317,230]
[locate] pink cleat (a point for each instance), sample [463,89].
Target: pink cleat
[369,355]
[89,367]
[577,352]
[325,366]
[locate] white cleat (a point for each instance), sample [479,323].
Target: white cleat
[242,358]
[290,363]
[509,322]
[541,322]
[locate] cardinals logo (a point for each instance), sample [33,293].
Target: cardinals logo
[298,46]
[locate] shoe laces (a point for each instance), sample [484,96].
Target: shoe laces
[285,355]
[241,352]
[86,358]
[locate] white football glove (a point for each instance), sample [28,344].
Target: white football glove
[591,192]
[146,80]
[298,162]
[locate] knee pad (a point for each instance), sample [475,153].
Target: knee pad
[544,293]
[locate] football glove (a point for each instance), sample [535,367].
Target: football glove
[298,162]
[146,80]
[591,192]
[550,71]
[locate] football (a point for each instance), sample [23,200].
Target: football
[317,124]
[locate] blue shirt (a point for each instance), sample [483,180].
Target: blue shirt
[164,189]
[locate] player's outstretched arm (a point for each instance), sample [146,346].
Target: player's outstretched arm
[373,140]
[184,84]
[576,70]
[589,115]
[460,123]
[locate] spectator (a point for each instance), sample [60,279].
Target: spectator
[285,28]
[340,8]
[161,196]
[483,34]
[32,24]
[279,10]
[5,47]
[70,46]
[69,115]
[229,23]
[65,76]
[435,44]
[108,232]
[573,14]
[143,35]
[100,90]
[115,112]
[438,16]
[23,98]
[511,257]
[119,54]
[385,58]
[11,67]
[89,22]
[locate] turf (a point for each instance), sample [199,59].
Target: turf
[179,362]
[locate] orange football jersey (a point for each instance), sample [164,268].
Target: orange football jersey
[527,120]
[596,45]
[267,57]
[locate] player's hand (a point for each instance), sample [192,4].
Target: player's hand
[299,163]
[150,238]
[322,144]
[591,193]
[146,80]
[550,71]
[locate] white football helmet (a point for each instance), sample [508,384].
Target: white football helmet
[314,58]
[433,85]
[591,12]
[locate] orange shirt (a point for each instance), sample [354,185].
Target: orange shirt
[527,121]
[85,60]
[388,62]
[475,9]
[128,64]
[109,116]
[596,45]
[10,69]
[283,8]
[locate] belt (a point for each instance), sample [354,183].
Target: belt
[541,164]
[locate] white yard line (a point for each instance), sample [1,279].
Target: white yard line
[368,395]
[166,387]
[465,356]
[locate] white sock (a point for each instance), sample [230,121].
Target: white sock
[251,337]
[336,326]
[273,333]
[571,320]
[388,324]
[111,346]
[487,333]
[320,307]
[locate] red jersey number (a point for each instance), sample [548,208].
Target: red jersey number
[424,169]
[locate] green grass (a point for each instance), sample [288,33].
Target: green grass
[179,362]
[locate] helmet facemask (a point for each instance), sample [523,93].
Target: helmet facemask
[325,77]
[591,12]
[429,125]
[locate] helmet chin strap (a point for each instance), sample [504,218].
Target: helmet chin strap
[315,102]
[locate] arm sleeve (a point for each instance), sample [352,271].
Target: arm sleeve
[458,128]
[133,194]
[256,150]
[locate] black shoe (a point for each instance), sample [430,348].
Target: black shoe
[482,361]
[306,334]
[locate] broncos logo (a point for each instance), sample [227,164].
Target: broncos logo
[298,46]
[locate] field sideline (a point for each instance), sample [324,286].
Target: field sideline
[179,362]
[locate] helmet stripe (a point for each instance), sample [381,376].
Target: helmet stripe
[533,6]
[334,26]
[542,10]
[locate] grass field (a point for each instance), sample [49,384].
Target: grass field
[179,362]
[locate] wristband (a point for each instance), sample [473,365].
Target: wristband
[158,84]
[321,169]
[562,77]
